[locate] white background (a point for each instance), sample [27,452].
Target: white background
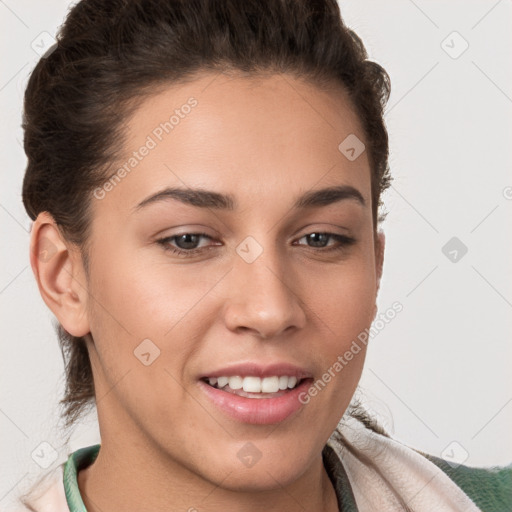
[440,371]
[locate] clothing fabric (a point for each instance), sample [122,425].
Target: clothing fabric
[369,471]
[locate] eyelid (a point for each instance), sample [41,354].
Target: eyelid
[186,229]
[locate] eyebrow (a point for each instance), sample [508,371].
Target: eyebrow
[209,199]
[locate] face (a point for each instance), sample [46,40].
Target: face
[261,282]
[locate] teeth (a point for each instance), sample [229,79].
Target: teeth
[222,381]
[252,384]
[291,382]
[255,384]
[236,382]
[270,385]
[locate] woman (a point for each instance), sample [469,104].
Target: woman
[205,182]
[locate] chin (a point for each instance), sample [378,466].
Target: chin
[265,474]
[260,480]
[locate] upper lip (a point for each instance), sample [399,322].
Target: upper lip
[254,369]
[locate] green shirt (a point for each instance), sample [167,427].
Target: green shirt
[489,488]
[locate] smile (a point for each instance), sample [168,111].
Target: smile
[255,387]
[256,394]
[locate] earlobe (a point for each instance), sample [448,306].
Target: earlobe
[58,269]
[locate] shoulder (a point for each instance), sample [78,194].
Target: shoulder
[489,487]
[47,495]
[373,459]
[56,489]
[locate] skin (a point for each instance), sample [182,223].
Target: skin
[165,446]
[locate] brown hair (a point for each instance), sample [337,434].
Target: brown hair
[111,54]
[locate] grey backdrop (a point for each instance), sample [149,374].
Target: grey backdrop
[438,375]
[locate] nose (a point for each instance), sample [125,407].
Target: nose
[263,297]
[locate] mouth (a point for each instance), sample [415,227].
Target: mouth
[256,394]
[254,387]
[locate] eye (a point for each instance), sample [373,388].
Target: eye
[186,243]
[320,239]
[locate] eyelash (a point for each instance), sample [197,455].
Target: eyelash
[344,240]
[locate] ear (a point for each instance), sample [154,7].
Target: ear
[380,243]
[60,276]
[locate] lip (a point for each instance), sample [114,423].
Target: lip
[256,411]
[251,369]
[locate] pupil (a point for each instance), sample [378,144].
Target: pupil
[317,236]
[187,237]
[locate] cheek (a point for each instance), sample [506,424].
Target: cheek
[344,297]
[344,304]
[144,297]
[136,300]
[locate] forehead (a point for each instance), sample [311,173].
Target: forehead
[254,137]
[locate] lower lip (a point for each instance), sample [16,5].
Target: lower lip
[258,411]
